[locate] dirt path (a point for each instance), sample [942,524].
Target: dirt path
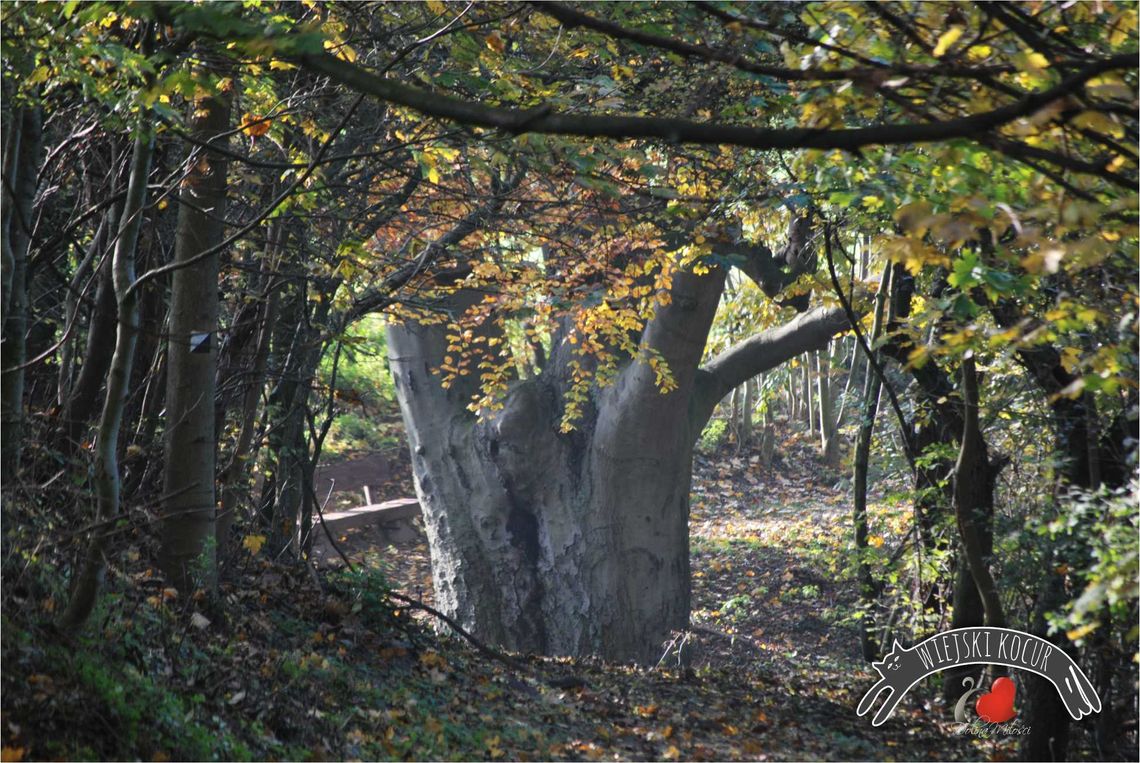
[772,665]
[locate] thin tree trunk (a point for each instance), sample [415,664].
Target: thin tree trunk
[16,317]
[746,413]
[71,311]
[794,405]
[970,499]
[870,409]
[288,444]
[233,476]
[11,180]
[100,346]
[808,395]
[87,579]
[188,546]
[829,441]
[734,415]
[852,383]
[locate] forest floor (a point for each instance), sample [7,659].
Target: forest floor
[307,666]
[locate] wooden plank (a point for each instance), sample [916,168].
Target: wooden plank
[377,513]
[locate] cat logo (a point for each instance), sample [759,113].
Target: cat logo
[900,670]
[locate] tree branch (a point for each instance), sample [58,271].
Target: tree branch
[544,119]
[382,296]
[762,352]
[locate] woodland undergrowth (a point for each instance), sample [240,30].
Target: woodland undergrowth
[290,663]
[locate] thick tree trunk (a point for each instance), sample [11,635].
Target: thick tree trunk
[561,543]
[187,554]
[574,543]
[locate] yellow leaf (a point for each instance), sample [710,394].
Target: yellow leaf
[495,42]
[341,50]
[1082,631]
[281,66]
[1124,27]
[948,38]
[1099,122]
[12,754]
[979,52]
[253,543]
[876,540]
[1070,358]
[436,7]
[1036,61]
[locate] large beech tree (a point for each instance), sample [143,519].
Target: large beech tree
[575,542]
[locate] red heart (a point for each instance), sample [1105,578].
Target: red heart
[997,706]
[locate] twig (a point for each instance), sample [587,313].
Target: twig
[874,363]
[328,532]
[727,637]
[479,645]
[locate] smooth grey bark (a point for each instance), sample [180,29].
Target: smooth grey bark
[187,554]
[85,585]
[763,352]
[574,543]
[16,317]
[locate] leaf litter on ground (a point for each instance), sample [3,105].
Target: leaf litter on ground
[305,666]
